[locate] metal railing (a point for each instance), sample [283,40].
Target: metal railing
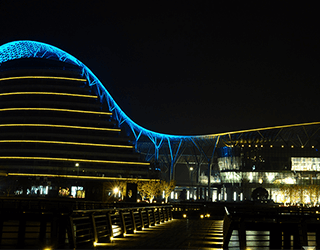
[59,227]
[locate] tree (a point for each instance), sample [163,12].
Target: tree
[313,192]
[167,188]
[148,189]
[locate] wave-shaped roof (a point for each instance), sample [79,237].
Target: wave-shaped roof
[32,49]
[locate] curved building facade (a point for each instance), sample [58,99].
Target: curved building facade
[57,134]
[60,127]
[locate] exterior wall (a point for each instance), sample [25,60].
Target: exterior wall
[56,134]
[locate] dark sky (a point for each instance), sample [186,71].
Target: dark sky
[183,67]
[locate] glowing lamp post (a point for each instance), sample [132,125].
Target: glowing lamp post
[115,191]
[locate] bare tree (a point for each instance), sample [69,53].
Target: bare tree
[148,189]
[167,188]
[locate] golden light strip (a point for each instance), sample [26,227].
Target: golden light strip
[80,177]
[67,143]
[47,93]
[54,109]
[43,77]
[71,160]
[260,129]
[59,126]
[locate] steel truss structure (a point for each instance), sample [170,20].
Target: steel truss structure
[168,150]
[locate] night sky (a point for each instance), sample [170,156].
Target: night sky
[187,67]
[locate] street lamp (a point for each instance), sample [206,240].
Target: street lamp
[191,181]
[115,191]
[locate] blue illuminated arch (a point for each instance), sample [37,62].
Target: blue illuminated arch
[171,146]
[31,49]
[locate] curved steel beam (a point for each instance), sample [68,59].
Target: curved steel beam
[32,49]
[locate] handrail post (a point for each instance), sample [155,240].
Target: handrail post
[71,234]
[159,215]
[94,228]
[134,226]
[141,219]
[165,215]
[154,216]
[170,212]
[148,217]
[109,225]
[123,224]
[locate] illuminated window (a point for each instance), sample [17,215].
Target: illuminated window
[305,163]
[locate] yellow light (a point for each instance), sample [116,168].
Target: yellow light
[67,143]
[47,248]
[48,93]
[54,109]
[184,216]
[116,190]
[201,216]
[77,177]
[292,146]
[282,146]
[44,77]
[271,146]
[58,126]
[208,215]
[70,159]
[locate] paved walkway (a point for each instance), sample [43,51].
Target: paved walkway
[175,234]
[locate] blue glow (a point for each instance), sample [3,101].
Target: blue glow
[31,49]
[165,149]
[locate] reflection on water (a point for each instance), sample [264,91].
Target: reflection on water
[257,240]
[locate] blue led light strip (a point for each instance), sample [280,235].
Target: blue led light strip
[31,49]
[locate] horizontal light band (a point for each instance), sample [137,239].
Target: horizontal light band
[59,126]
[53,109]
[80,177]
[47,93]
[43,77]
[72,160]
[67,143]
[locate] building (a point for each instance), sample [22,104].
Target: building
[60,127]
[57,136]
